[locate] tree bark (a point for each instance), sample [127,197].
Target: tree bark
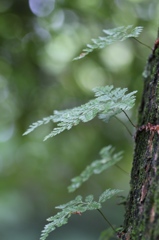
[142,208]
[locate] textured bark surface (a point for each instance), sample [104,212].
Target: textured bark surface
[142,209]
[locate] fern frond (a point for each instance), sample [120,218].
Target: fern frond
[33,126]
[115,34]
[76,206]
[108,159]
[108,102]
[107,194]
[107,234]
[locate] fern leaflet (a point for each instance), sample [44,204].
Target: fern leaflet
[108,102]
[107,160]
[76,206]
[115,34]
[107,234]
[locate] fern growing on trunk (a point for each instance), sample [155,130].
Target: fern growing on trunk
[107,103]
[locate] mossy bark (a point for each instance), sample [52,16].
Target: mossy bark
[142,208]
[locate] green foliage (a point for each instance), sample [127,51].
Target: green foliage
[115,34]
[76,206]
[108,102]
[106,234]
[108,159]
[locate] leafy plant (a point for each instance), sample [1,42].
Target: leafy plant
[108,102]
[76,206]
[114,35]
[107,234]
[107,160]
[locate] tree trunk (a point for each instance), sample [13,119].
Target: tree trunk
[142,208]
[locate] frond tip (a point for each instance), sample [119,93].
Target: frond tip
[108,102]
[115,34]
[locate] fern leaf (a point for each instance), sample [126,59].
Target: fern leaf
[76,206]
[115,34]
[108,159]
[109,193]
[33,126]
[107,234]
[108,102]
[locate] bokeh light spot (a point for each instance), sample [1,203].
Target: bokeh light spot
[41,8]
[117,56]
[89,76]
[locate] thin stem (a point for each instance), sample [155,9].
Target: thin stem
[106,220]
[122,169]
[129,118]
[124,126]
[143,43]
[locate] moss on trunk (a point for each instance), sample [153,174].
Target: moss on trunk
[142,208]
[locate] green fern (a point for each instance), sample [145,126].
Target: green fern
[107,160]
[76,206]
[107,234]
[108,102]
[115,34]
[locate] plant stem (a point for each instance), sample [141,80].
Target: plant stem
[122,169]
[129,118]
[124,126]
[106,220]
[143,43]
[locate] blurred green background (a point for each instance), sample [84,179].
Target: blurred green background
[38,40]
